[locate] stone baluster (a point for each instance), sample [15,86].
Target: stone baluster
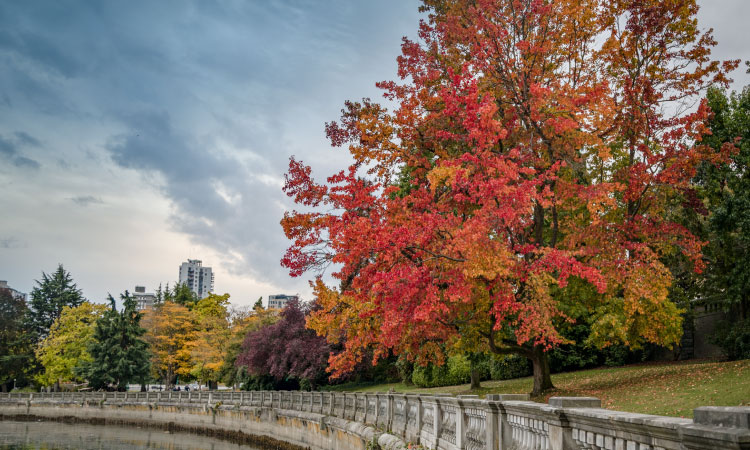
[389,411]
[437,421]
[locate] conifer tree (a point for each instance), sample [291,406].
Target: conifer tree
[183,295]
[119,355]
[49,297]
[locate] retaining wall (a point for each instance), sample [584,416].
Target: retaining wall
[341,421]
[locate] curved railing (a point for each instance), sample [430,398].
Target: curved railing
[467,422]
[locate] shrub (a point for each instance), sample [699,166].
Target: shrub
[507,367]
[457,370]
[734,338]
[405,370]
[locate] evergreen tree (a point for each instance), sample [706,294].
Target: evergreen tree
[258,304]
[119,355]
[49,297]
[183,295]
[160,294]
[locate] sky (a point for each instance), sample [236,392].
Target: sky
[135,135]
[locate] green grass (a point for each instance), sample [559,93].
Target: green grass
[669,389]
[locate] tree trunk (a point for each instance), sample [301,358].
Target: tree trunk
[542,378]
[475,381]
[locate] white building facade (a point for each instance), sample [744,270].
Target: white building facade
[198,278]
[280,301]
[142,298]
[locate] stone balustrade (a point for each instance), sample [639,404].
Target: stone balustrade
[500,422]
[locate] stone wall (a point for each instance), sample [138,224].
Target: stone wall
[364,421]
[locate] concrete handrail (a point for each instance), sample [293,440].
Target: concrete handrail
[467,422]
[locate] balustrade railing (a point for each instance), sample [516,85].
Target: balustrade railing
[500,422]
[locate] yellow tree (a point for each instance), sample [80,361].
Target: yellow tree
[211,339]
[170,327]
[66,347]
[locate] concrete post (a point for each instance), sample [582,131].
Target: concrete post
[460,424]
[504,434]
[560,433]
[717,427]
[492,414]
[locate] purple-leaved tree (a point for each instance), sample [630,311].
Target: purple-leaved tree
[287,349]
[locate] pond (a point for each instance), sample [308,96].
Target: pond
[54,435]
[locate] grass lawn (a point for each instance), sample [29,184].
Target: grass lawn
[669,389]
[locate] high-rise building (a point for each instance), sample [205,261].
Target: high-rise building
[13,292]
[143,299]
[280,300]
[198,278]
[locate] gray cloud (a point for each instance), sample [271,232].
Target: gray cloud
[12,243]
[205,100]
[10,148]
[86,200]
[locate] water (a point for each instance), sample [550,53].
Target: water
[61,436]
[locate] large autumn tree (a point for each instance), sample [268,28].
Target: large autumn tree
[170,328]
[65,351]
[517,185]
[211,339]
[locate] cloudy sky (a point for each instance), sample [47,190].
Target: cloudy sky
[135,135]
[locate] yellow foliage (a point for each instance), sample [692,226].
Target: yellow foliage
[66,347]
[169,328]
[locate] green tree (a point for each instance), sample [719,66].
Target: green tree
[48,298]
[183,295]
[16,350]
[65,350]
[258,304]
[119,355]
[726,191]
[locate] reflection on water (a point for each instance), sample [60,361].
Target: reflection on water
[59,436]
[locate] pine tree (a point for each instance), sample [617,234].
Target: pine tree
[119,354]
[49,297]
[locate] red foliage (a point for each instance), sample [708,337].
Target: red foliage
[530,147]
